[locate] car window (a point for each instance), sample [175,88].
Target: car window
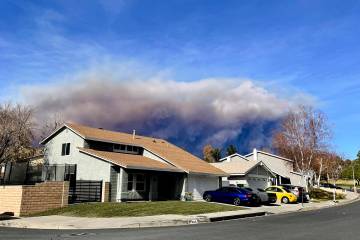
[261,190]
[271,189]
[287,190]
[249,189]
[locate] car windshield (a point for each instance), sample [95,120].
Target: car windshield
[287,190]
[261,190]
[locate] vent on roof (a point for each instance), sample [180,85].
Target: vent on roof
[154,141]
[101,128]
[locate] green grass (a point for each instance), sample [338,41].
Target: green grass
[320,194]
[135,209]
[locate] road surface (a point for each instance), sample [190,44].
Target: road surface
[338,223]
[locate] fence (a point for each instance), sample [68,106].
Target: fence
[85,191]
[23,173]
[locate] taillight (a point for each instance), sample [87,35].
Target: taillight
[249,195]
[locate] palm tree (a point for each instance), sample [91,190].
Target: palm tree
[230,150]
[216,154]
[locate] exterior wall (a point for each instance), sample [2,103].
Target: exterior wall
[24,200]
[278,165]
[148,154]
[105,195]
[198,184]
[88,168]
[10,199]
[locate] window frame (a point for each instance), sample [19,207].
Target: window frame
[65,149]
[134,182]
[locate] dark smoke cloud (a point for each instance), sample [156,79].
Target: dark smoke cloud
[190,114]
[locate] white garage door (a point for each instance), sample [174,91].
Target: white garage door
[257,182]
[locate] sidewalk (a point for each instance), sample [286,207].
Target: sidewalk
[63,222]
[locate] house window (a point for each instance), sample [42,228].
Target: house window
[136,182]
[126,148]
[65,149]
[130,182]
[140,182]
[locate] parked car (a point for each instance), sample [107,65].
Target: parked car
[265,197]
[282,194]
[300,192]
[329,185]
[233,195]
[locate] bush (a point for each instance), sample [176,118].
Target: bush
[317,193]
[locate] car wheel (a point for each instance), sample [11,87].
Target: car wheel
[208,198]
[285,200]
[237,201]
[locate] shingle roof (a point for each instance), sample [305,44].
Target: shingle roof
[130,161]
[169,152]
[235,167]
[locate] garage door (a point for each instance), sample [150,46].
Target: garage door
[257,182]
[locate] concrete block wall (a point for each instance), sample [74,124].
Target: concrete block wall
[10,199]
[24,200]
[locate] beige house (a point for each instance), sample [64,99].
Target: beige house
[258,170]
[137,167]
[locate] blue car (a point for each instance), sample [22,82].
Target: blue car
[233,195]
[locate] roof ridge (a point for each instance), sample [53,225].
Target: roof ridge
[112,131]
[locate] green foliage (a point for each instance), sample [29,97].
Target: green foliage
[230,150]
[347,172]
[320,194]
[216,154]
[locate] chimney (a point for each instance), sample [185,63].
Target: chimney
[255,153]
[134,133]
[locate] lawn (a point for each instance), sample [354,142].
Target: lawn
[135,209]
[320,194]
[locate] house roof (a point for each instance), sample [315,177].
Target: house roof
[234,155]
[269,154]
[130,161]
[170,153]
[239,167]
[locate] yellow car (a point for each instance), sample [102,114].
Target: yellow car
[282,194]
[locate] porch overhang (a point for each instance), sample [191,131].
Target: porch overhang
[130,161]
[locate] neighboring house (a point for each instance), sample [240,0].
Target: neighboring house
[137,167]
[245,172]
[259,170]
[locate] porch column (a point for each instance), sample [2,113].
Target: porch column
[119,185]
[184,188]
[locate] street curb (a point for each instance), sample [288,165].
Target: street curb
[191,220]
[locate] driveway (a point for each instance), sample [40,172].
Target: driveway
[331,223]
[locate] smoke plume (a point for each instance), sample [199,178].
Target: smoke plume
[189,114]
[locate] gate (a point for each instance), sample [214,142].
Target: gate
[85,191]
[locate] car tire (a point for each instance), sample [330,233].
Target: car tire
[285,200]
[208,198]
[237,201]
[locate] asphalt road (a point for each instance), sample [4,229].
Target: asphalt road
[341,222]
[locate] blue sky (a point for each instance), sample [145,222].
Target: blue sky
[287,46]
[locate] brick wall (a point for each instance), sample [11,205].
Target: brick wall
[24,200]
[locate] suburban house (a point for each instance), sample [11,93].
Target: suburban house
[258,170]
[137,167]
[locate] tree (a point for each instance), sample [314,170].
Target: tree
[216,154]
[230,150]
[304,133]
[207,152]
[352,170]
[50,125]
[15,132]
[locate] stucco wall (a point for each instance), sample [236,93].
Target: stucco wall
[88,168]
[198,184]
